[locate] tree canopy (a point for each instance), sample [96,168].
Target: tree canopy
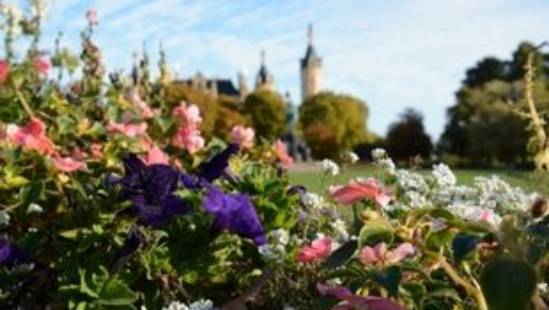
[333,123]
[407,137]
[266,111]
[483,128]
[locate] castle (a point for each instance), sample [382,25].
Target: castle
[310,67]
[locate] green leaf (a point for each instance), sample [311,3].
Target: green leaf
[341,255]
[374,232]
[389,278]
[116,293]
[65,123]
[439,239]
[30,193]
[508,283]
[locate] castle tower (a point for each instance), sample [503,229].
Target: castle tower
[264,80]
[311,69]
[243,84]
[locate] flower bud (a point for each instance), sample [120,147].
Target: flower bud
[539,207]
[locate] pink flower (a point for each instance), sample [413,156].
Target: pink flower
[188,138]
[4,70]
[350,301]
[281,152]
[78,154]
[32,136]
[243,136]
[319,249]
[67,164]
[95,149]
[359,189]
[371,255]
[42,65]
[92,17]
[143,107]
[129,129]
[188,114]
[156,156]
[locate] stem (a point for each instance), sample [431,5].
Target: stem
[23,101]
[473,289]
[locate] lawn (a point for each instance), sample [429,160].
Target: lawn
[528,180]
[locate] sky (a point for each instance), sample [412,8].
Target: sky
[392,54]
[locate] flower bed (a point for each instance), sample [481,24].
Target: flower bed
[110,197]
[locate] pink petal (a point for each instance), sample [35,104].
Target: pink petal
[357,190]
[369,256]
[42,65]
[156,156]
[339,292]
[281,153]
[67,164]
[401,252]
[4,70]
[319,249]
[243,136]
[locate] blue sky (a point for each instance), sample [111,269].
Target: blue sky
[392,54]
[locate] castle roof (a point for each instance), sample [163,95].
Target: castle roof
[226,87]
[310,56]
[223,86]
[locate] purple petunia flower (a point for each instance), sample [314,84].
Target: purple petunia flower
[151,189]
[235,213]
[11,255]
[135,239]
[216,166]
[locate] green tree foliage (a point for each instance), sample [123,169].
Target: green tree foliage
[209,107]
[483,128]
[407,137]
[266,111]
[230,114]
[333,123]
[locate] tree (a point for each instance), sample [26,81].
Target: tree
[266,111]
[333,123]
[407,137]
[230,114]
[483,127]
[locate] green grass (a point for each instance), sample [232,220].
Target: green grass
[528,180]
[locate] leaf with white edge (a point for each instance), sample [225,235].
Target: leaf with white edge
[116,293]
[342,255]
[508,283]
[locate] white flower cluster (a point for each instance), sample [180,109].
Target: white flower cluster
[383,161]
[497,194]
[443,175]
[275,250]
[312,201]
[4,218]
[340,229]
[329,167]
[353,157]
[485,201]
[201,304]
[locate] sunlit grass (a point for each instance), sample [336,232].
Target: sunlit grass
[528,180]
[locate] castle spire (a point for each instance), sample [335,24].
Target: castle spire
[310,34]
[262,57]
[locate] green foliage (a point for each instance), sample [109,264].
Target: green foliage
[508,283]
[333,124]
[407,138]
[266,111]
[230,114]
[485,112]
